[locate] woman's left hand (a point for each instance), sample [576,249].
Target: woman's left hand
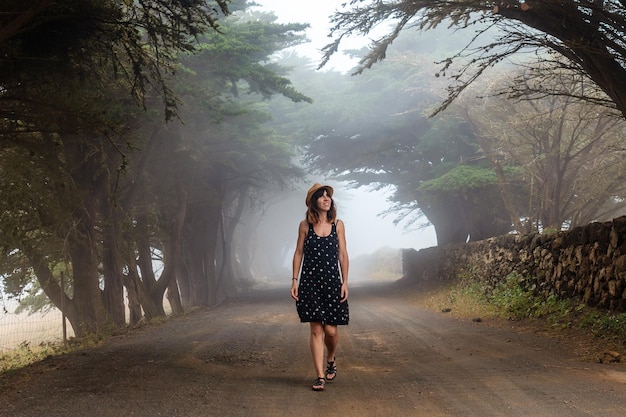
[344,293]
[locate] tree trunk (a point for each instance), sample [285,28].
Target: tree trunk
[172,249]
[51,287]
[112,265]
[447,218]
[211,250]
[173,297]
[92,316]
[134,304]
[226,285]
[147,281]
[200,241]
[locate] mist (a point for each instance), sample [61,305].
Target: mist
[372,229]
[372,132]
[317,15]
[206,171]
[369,234]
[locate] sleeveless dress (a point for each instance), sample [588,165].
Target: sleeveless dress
[319,291]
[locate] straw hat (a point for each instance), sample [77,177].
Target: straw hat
[312,190]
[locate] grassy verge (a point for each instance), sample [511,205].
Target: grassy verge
[26,354]
[598,335]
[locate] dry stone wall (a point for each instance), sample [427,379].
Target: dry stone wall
[585,263]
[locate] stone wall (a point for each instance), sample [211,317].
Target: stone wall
[586,263]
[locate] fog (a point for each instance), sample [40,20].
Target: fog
[361,209]
[316,14]
[214,179]
[370,237]
[367,230]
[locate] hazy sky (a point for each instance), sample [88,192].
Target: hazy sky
[316,13]
[365,230]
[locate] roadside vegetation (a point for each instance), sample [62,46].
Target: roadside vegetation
[25,354]
[597,335]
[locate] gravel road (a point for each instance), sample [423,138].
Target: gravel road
[250,357]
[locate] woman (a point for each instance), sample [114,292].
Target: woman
[322,294]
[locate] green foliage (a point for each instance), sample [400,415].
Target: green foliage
[495,34]
[138,42]
[33,299]
[510,298]
[516,302]
[603,323]
[27,354]
[462,177]
[76,146]
[238,55]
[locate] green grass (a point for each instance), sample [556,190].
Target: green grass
[510,300]
[510,297]
[25,354]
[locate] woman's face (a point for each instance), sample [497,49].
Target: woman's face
[324,201]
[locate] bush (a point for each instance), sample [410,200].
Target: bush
[513,299]
[26,354]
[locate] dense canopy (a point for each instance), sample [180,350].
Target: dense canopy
[589,34]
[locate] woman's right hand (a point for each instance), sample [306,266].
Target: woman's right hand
[294,290]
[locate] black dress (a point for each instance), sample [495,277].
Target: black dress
[319,292]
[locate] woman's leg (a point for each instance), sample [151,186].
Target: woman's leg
[331,339]
[317,348]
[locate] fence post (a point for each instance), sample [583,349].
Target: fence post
[63,307]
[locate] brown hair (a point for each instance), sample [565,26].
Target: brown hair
[313,214]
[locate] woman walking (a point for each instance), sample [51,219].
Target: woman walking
[321,261]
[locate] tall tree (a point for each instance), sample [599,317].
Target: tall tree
[371,132]
[85,198]
[226,151]
[570,151]
[138,41]
[589,34]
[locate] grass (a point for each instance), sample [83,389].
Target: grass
[593,331]
[26,354]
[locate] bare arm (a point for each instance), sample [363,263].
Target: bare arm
[297,258]
[344,261]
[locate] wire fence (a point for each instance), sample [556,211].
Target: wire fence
[28,329]
[24,329]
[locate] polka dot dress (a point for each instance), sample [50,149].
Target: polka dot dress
[319,292]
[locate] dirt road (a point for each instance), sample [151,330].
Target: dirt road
[251,358]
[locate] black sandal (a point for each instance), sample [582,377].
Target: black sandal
[318,385]
[331,370]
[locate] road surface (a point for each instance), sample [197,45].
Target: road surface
[250,358]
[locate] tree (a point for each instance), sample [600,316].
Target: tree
[102,185]
[589,34]
[569,151]
[464,204]
[138,41]
[227,155]
[371,131]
